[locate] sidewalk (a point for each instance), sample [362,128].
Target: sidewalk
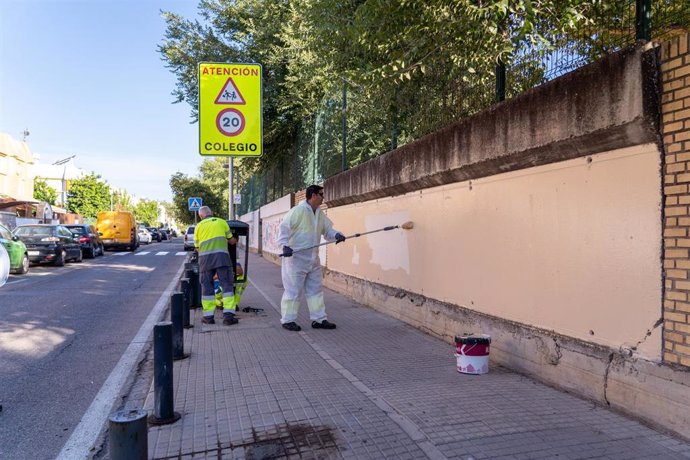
[374,388]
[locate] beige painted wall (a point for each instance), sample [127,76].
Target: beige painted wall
[573,247]
[16,179]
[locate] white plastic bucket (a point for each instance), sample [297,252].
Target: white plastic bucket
[472,353]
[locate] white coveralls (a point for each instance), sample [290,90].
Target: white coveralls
[301,228]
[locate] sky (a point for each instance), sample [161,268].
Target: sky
[84,77]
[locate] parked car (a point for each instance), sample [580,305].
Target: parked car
[90,240]
[49,243]
[189,238]
[145,236]
[164,233]
[155,234]
[18,254]
[4,265]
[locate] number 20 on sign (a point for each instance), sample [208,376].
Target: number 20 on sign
[230,110]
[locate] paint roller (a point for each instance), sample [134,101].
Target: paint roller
[409,225]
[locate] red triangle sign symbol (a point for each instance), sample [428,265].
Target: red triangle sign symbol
[230,94]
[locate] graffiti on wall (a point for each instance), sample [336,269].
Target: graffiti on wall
[270,228]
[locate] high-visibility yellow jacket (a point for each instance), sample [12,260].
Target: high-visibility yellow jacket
[211,240]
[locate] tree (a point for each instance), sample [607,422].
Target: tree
[410,66]
[88,196]
[44,192]
[184,187]
[146,211]
[121,201]
[214,174]
[238,31]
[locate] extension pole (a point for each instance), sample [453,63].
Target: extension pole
[405,226]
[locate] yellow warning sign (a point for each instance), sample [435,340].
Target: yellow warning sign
[230,109]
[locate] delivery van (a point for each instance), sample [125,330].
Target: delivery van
[118,230]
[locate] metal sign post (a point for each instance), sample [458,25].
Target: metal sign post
[231,208]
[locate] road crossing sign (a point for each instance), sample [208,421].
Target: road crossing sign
[230,109]
[194,203]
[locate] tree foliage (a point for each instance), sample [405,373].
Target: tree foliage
[146,211]
[409,66]
[88,196]
[122,200]
[184,187]
[44,192]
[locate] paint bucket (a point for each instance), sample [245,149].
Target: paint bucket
[472,353]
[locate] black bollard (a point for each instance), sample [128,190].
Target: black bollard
[193,276]
[163,394]
[128,435]
[196,288]
[177,308]
[186,290]
[189,274]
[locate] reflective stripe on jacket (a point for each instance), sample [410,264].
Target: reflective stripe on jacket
[211,239]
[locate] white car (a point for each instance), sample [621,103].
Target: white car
[144,236]
[189,238]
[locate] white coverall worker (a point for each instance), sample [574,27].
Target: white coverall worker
[303,227]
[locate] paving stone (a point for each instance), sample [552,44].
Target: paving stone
[374,388]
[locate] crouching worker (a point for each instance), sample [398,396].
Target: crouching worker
[240,284]
[211,238]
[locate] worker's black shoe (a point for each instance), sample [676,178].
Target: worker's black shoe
[208,320]
[230,319]
[322,325]
[292,326]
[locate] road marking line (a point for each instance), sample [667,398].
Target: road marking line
[120,253]
[15,281]
[93,421]
[181,253]
[162,253]
[143,253]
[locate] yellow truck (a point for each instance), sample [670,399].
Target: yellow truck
[118,230]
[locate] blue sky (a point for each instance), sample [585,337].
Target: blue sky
[85,78]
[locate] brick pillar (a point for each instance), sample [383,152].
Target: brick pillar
[675,127]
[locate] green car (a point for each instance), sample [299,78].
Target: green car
[19,257]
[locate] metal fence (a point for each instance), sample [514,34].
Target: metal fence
[348,128]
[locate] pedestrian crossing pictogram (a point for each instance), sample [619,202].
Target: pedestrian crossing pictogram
[230,94]
[194,203]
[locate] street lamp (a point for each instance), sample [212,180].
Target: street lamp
[64,171]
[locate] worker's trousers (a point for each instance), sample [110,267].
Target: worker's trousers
[296,281]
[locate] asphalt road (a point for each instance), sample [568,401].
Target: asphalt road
[62,331]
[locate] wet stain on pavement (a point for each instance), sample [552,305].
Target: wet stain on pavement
[291,439]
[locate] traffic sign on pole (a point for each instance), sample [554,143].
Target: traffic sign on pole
[194,203]
[230,109]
